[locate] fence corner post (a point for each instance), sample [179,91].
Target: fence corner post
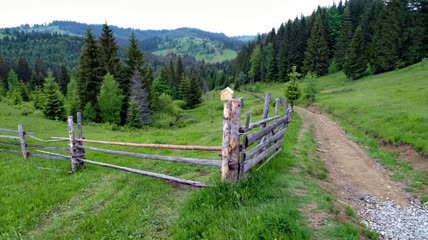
[21,134]
[73,149]
[80,149]
[231,141]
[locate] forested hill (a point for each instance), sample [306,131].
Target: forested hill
[212,47]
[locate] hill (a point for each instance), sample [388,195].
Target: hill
[212,47]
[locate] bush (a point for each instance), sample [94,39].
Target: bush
[310,89]
[89,113]
[26,108]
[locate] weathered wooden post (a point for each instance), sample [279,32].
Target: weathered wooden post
[230,169]
[73,148]
[244,142]
[276,106]
[80,149]
[21,134]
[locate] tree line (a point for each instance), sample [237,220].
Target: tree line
[359,37]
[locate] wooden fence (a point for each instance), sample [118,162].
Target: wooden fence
[242,149]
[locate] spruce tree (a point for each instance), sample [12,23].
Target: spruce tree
[195,93]
[344,39]
[292,91]
[255,72]
[90,70]
[133,114]
[110,100]
[72,100]
[317,54]
[23,70]
[140,95]
[355,62]
[64,78]
[109,52]
[53,106]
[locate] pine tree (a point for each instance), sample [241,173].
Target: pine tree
[355,62]
[317,53]
[53,106]
[72,100]
[110,52]
[63,78]
[255,72]
[270,67]
[90,70]
[110,100]
[344,39]
[39,73]
[4,69]
[195,93]
[133,115]
[12,81]
[23,70]
[140,95]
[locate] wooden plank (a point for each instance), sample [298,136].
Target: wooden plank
[266,107]
[266,143]
[145,173]
[278,151]
[73,148]
[227,109]
[284,104]
[206,162]
[48,141]
[262,132]
[22,141]
[46,156]
[35,146]
[251,163]
[150,145]
[263,121]
[10,151]
[276,106]
[244,144]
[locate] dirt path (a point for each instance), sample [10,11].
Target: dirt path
[353,174]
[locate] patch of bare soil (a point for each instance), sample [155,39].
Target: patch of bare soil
[410,155]
[352,173]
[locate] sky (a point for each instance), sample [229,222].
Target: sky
[232,17]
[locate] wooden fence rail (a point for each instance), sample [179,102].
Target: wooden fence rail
[242,147]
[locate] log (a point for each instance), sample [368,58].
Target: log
[145,173]
[206,162]
[57,140]
[22,141]
[247,124]
[73,152]
[35,146]
[226,138]
[284,104]
[278,151]
[149,145]
[46,156]
[234,143]
[266,107]
[266,143]
[262,132]
[263,121]
[276,106]
[10,151]
[251,163]
[80,151]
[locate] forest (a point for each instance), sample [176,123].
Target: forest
[62,74]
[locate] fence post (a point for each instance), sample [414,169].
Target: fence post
[74,162]
[21,134]
[80,149]
[231,141]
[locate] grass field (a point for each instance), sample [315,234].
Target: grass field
[40,201]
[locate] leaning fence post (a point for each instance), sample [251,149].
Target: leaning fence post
[231,141]
[21,134]
[80,149]
[73,148]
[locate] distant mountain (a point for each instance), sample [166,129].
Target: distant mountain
[212,47]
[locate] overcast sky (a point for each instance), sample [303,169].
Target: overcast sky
[232,17]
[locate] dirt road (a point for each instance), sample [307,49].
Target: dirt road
[352,173]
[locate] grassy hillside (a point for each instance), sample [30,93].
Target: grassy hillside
[40,201]
[391,106]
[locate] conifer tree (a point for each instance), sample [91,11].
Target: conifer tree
[317,53]
[64,78]
[110,100]
[344,39]
[72,100]
[53,106]
[4,69]
[195,93]
[133,114]
[255,65]
[109,52]
[90,70]
[292,91]
[23,70]
[355,61]
[140,95]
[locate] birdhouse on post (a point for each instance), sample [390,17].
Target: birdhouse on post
[226,94]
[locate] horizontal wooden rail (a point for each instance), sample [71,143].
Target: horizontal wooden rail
[251,163]
[150,174]
[264,144]
[35,146]
[9,137]
[15,131]
[149,145]
[262,132]
[269,159]
[158,157]
[261,122]
[46,156]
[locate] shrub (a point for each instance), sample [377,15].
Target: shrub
[310,89]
